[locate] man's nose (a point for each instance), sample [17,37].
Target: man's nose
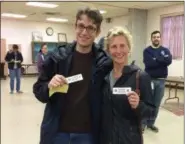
[84,31]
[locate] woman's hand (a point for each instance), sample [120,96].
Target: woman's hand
[133,99]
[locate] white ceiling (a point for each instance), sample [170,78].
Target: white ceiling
[68,9]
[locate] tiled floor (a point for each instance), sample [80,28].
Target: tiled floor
[21,116]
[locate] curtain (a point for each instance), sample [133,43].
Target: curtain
[172,35]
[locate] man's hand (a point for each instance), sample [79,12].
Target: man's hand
[133,99]
[18,61]
[12,61]
[57,80]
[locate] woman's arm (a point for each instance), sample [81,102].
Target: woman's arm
[8,57]
[39,62]
[21,58]
[146,104]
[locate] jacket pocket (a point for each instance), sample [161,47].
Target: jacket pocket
[127,133]
[49,125]
[129,137]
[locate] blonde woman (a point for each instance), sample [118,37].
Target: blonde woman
[122,107]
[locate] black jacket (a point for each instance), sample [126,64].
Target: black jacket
[11,56]
[59,62]
[101,42]
[120,123]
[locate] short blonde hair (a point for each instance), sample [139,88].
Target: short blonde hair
[117,31]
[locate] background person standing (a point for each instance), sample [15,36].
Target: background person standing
[156,59]
[41,56]
[14,59]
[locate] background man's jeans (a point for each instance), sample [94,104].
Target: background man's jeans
[158,93]
[73,138]
[15,73]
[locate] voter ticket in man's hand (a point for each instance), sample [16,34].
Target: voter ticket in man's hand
[64,88]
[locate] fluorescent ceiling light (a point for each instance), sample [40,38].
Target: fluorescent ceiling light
[102,12]
[13,15]
[57,19]
[39,4]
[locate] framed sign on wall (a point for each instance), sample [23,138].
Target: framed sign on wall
[62,37]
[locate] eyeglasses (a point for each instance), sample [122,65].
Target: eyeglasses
[89,29]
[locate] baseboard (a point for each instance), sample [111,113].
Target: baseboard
[178,87]
[3,78]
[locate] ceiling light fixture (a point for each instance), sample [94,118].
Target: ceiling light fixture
[57,19]
[13,15]
[102,12]
[39,4]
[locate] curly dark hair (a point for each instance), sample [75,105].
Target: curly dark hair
[15,47]
[93,14]
[155,32]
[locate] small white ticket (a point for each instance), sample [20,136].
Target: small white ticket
[152,85]
[74,78]
[123,90]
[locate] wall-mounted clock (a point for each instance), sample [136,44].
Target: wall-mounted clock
[49,31]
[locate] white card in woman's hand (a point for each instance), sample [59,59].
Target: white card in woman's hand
[121,90]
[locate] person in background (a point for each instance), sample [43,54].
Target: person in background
[41,56]
[101,42]
[156,58]
[122,112]
[14,59]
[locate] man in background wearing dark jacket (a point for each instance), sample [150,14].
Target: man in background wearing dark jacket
[101,42]
[14,59]
[156,59]
[74,117]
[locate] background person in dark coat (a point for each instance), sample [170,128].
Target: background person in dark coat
[14,59]
[101,42]
[41,56]
[122,112]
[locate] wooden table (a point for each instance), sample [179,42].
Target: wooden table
[25,67]
[174,82]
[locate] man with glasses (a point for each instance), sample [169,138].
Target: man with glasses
[74,117]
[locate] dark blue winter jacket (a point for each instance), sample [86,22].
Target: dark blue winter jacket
[59,62]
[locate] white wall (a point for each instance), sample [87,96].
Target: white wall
[118,21]
[20,32]
[153,23]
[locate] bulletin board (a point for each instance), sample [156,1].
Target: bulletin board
[3,54]
[3,50]
[36,46]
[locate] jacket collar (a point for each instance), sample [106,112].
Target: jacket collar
[70,48]
[98,53]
